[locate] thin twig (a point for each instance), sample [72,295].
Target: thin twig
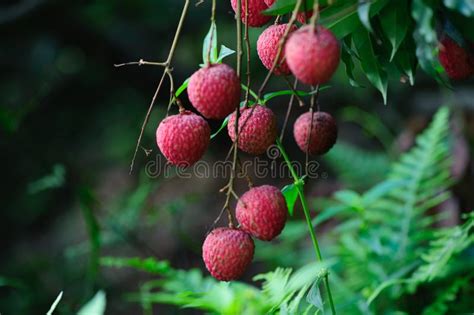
[167,68]
[141,62]
[314,99]
[295,93]
[230,186]
[288,112]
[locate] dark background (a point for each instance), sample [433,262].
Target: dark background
[69,122]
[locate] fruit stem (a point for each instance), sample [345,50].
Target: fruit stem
[280,46]
[315,17]
[299,186]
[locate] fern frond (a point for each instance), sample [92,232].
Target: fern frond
[440,305]
[449,242]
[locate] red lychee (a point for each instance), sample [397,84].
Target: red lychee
[457,61]
[214,91]
[262,212]
[312,54]
[255,17]
[183,138]
[301,17]
[267,48]
[323,134]
[227,252]
[257,129]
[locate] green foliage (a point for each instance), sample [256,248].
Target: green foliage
[445,296]
[210,52]
[384,248]
[449,243]
[381,32]
[149,265]
[290,192]
[281,290]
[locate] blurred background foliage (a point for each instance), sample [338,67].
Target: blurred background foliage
[68,126]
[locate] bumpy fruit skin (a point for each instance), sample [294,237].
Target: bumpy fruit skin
[267,48]
[255,17]
[214,91]
[257,129]
[323,134]
[227,253]
[262,212]
[183,138]
[312,56]
[456,61]
[301,17]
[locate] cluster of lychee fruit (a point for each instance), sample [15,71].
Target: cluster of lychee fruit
[312,55]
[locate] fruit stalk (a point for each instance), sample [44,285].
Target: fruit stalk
[299,186]
[165,72]
[280,46]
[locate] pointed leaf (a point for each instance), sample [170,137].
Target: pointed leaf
[290,192]
[96,306]
[55,304]
[224,52]
[348,63]
[363,10]
[223,125]
[395,22]
[374,72]
[209,45]
[183,87]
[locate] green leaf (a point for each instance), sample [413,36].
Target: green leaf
[183,87]
[363,10]
[405,59]
[55,304]
[376,75]
[341,18]
[395,22]
[290,192]
[150,264]
[349,64]
[465,7]
[96,306]
[281,7]
[224,52]
[314,296]
[223,125]
[209,46]
[271,95]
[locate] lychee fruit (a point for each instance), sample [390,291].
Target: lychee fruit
[262,212]
[183,138]
[267,48]
[312,54]
[257,129]
[323,133]
[457,61]
[255,17]
[214,91]
[227,252]
[301,17]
